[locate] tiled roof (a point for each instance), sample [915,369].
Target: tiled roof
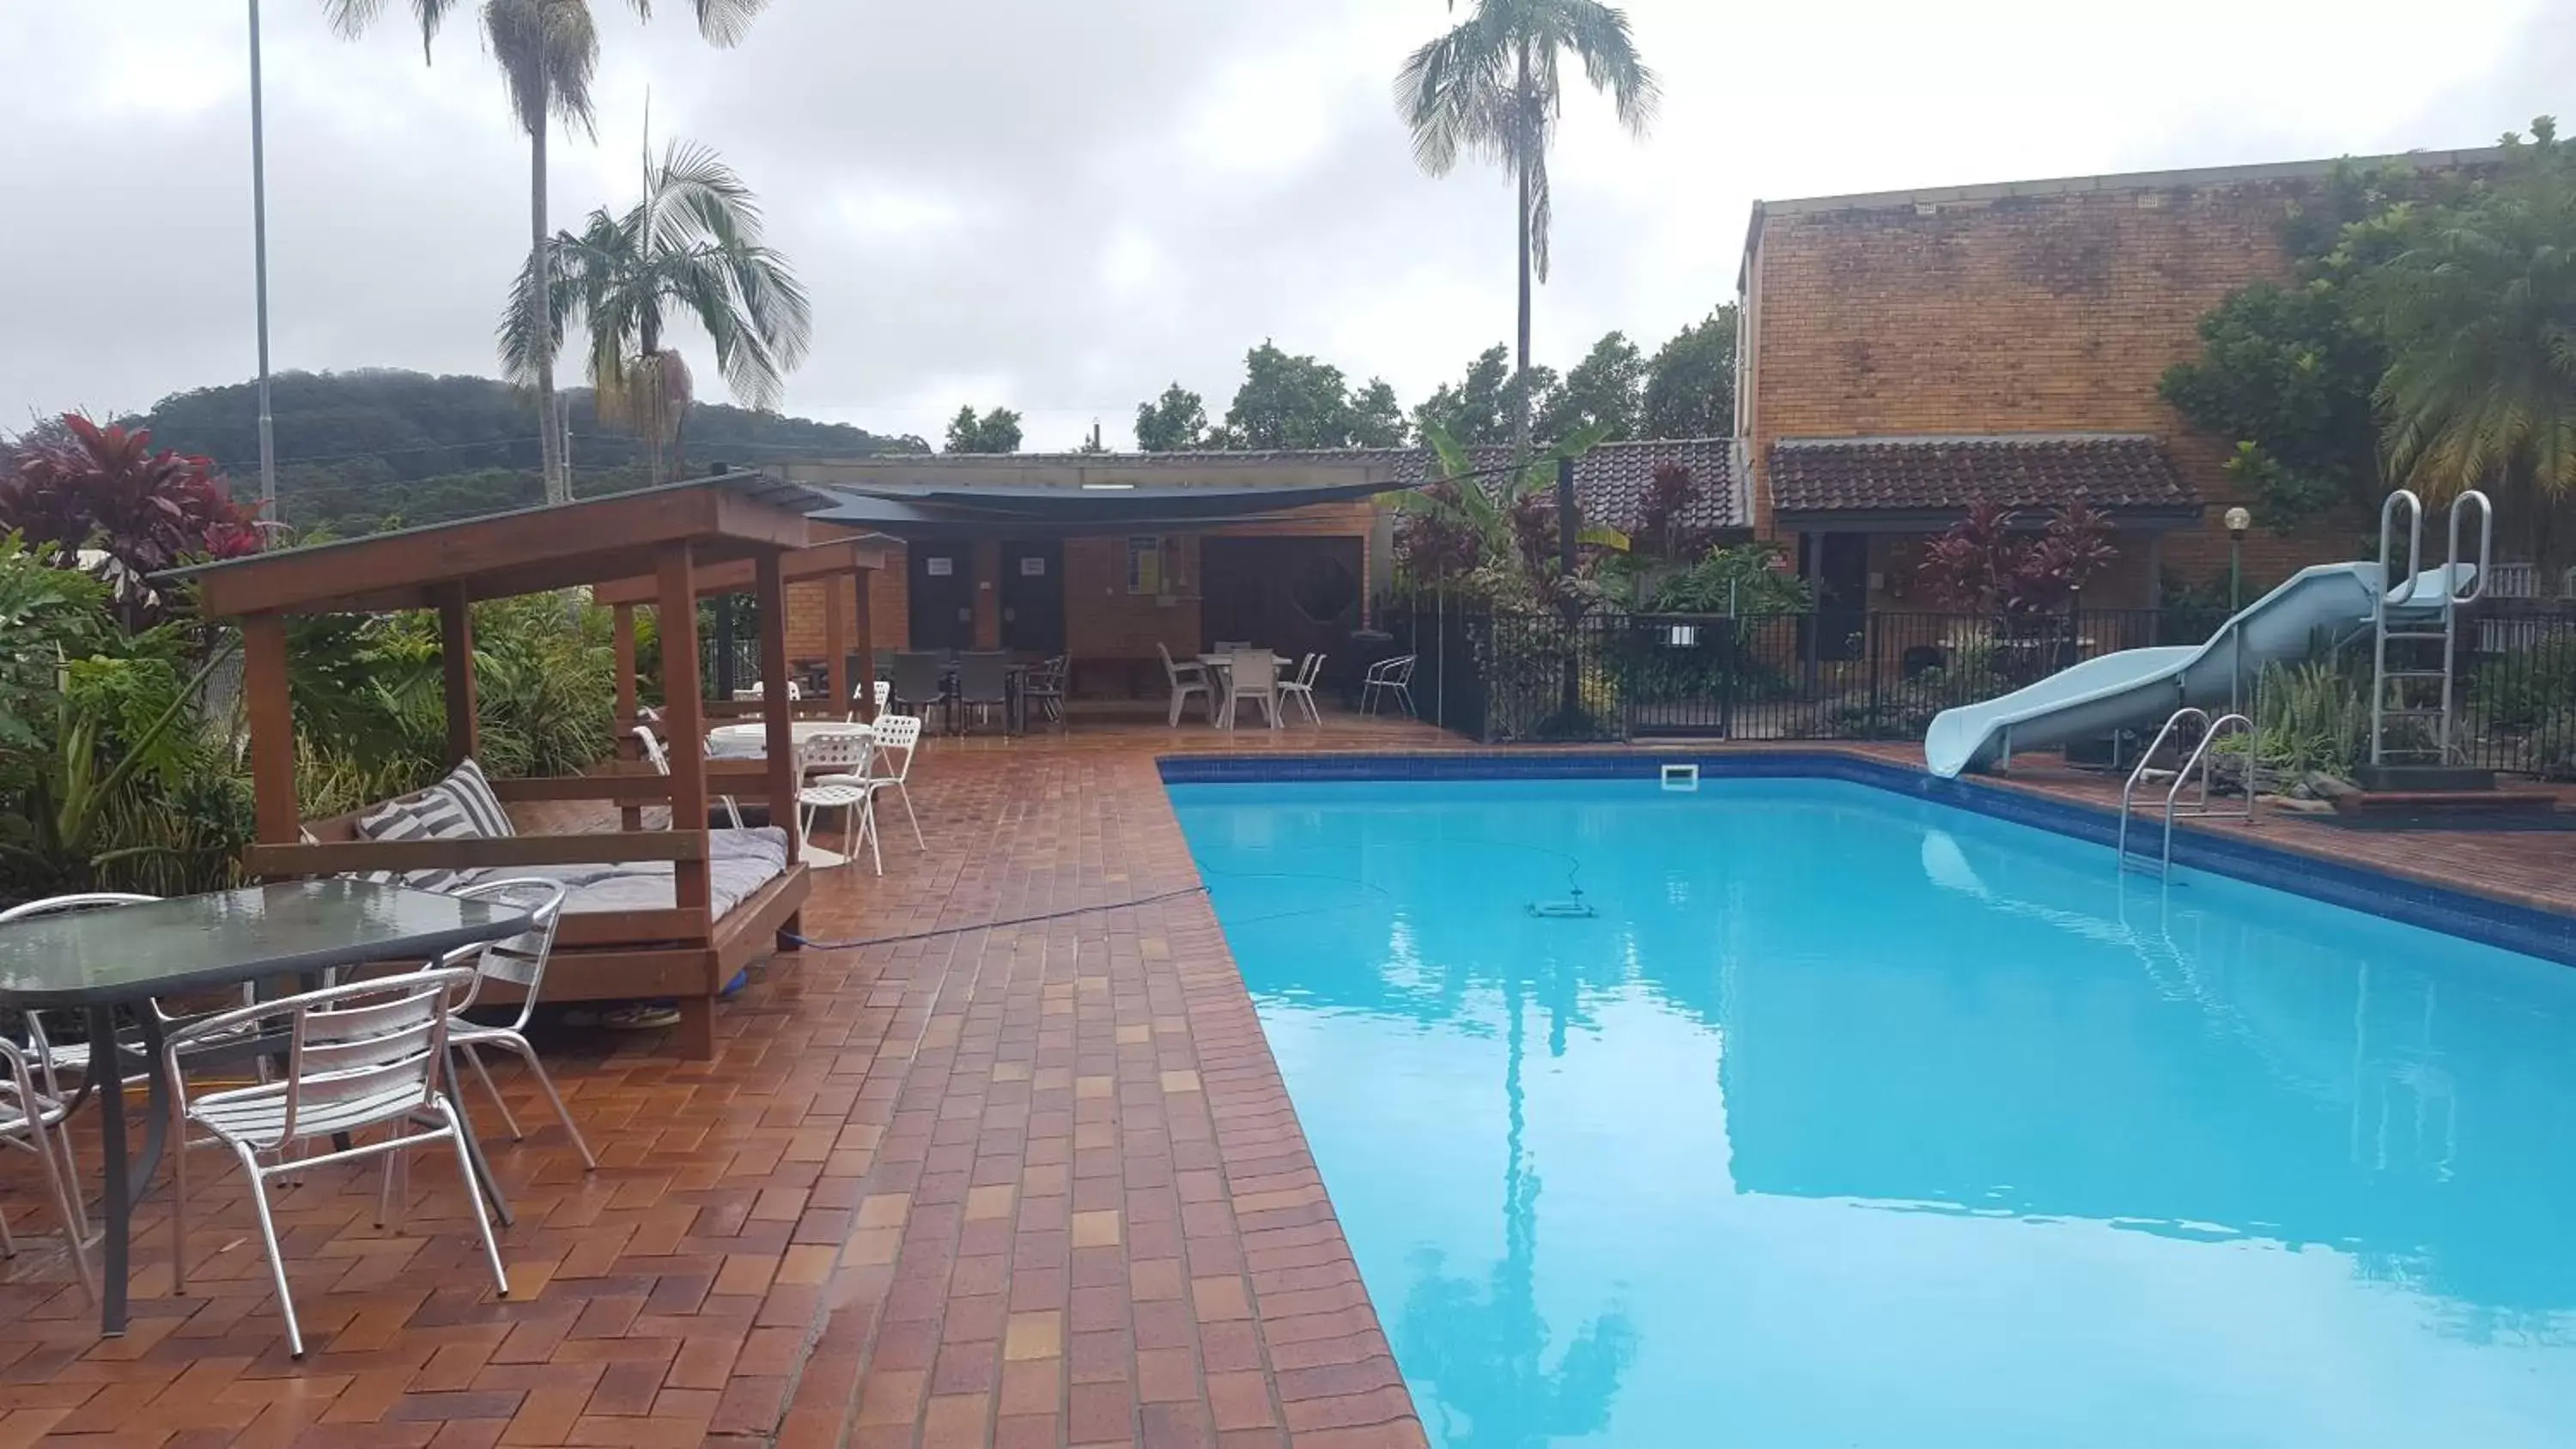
[1611,481]
[1948,474]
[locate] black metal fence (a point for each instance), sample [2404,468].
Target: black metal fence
[1503,676]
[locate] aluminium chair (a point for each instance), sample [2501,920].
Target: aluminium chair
[357,1057]
[1389,679]
[31,1120]
[518,961]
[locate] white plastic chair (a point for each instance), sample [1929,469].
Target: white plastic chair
[753,693]
[1253,673]
[31,1120]
[518,961]
[1301,690]
[1388,677]
[884,690]
[1186,680]
[839,763]
[365,1055]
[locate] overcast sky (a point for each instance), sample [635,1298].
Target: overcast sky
[1063,207]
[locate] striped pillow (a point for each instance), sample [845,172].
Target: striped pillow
[434,814]
[474,791]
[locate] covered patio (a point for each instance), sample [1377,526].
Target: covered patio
[687,540]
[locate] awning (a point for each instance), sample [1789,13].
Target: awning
[934,511]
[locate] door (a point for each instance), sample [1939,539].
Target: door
[943,595]
[1292,594]
[1842,594]
[1033,597]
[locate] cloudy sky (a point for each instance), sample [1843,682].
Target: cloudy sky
[1063,207]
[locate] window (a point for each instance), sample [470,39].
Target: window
[1145,564]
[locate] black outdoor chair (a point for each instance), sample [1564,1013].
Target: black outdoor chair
[1045,688]
[920,682]
[983,685]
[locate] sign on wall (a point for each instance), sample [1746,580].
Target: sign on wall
[939,568]
[1032,566]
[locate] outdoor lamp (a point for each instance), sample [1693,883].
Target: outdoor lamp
[2238,520]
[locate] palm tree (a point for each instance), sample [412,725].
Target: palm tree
[2478,311]
[692,245]
[548,51]
[1490,87]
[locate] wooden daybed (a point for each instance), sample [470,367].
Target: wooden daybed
[663,943]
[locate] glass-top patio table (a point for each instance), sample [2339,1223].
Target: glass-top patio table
[96,961]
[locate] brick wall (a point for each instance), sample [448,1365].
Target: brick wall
[2052,313]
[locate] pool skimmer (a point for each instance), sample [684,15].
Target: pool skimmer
[1574,908]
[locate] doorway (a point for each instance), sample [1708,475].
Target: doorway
[1294,595]
[942,611]
[1033,597]
[1841,580]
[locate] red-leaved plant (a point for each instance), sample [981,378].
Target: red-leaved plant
[1981,563]
[84,486]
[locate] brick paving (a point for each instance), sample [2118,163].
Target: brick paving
[1010,1185]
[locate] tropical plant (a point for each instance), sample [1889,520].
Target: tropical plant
[2478,311]
[691,246]
[1746,580]
[84,486]
[1490,87]
[548,51]
[1984,562]
[2311,718]
[1489,533]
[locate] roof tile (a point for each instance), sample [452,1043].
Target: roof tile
[1948,474]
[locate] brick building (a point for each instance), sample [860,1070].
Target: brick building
[1905,353]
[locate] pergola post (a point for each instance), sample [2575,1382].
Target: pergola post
[836,649]
[682,712]
[271,711]
[456,662]
[866,683]
[777,717]
[622,639]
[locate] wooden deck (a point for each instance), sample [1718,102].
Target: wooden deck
[973,1184]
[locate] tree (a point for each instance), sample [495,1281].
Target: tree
[1690,385]
[1290,402]
[2287,372]
[1176,422]
[997,431]
[2478,312]
[1490,87]
[548,51]
[692,245]
[1605,388]
[1377,418]
[1488,404]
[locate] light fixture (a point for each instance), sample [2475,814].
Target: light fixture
[1107,487]
[2238,520]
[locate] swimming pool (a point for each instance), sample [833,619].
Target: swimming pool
[1852,1119]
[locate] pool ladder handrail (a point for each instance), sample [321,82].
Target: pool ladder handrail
[2198,763]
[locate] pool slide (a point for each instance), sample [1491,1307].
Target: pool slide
[2138,688]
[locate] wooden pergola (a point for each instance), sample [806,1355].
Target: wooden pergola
[680,539]
[827,564]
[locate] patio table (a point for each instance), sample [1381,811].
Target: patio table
[750,740]
[1220,672]
[96,961]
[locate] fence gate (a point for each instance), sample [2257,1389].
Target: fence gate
[1679,673]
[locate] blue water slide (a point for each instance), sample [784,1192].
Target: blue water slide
[2138,688]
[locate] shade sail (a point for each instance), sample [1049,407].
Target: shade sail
[930,511]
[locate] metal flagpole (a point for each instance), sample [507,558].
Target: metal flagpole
[259,253]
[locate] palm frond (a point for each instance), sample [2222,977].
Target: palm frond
[1453,92]
[726,22]
[548,52]
[1600,36]
[352,18]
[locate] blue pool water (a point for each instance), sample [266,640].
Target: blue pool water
[1855,1120]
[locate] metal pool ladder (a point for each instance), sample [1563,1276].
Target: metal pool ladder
[2197,765]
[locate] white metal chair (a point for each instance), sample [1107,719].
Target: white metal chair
[518,961]
[839,764]
[1253,674]
[662,766]
[31,1120]
[1301,689]
[884,691]
[365,1055]
[1388,677]
[753,693]
[1186,680]
[897,739]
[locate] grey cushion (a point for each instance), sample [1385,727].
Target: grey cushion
[434,814]
[473,791]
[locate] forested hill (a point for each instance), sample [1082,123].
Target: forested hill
[357,450]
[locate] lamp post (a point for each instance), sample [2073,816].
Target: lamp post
[2238,520]
[259,266]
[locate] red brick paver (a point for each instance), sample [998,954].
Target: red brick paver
[1032,1184]
[984,1184]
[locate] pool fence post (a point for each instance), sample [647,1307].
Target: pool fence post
[1869,641]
